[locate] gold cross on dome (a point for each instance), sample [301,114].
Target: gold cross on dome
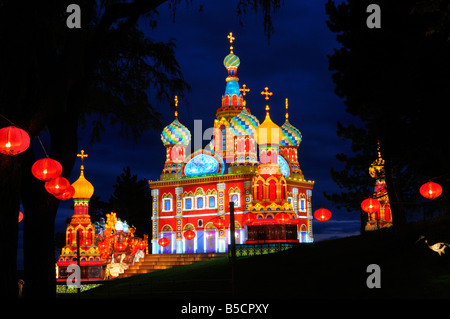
[82,155]
[230,36]
[266,93]
[244,90]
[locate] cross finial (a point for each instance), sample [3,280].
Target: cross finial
[230,36]
[244,90]
[176,106]
[287,104]
[82,156]
[266,93]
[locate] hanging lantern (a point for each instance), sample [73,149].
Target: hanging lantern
[102,245]
[430,190]
[283,217]
[189,234]
[20,216]
[163,242]
[67,194]
[57,186]
[13,140]
[142,245]
[219,222]
[370,205]
[121,246]
[248,218]
[46,169]
[322,214]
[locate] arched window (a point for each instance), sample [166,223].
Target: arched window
[212,202]
[200,202]
[224,137]
[260,191]
[272,190]
[188,203]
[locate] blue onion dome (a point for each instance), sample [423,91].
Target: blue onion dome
[231,61]
[244,123]
[175,133]
[291,135]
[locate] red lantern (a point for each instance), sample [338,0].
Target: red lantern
[283,217]
[248,218]
[370,205]
[189,234]
[13,140]
[142,245]
[322,214]
[57,186]
[163,242]
[121,246]
[67,194]
[431,190]
[20,216]
[102,245]
[46,169]
[219,223]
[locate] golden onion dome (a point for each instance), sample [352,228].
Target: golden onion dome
[268,133]
[83,188]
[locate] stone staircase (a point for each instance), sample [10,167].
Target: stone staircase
[154,262]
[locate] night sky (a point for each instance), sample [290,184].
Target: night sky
[293,64]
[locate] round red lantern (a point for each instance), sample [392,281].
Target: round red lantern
[370,205]
[20,216]
[67,194]
[142,245]
[322,214]
[283,217]
[189,234]
[248,218]
[102,245]
[120,246]
[46,169]
[431,190]
[13,140]
[163,242]
[57,186]
[219,223]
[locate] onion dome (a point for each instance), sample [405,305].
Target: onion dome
[268,132]
[244,123]
[175,132]
[376,169]
[231,61]
[291,135]
[83,188]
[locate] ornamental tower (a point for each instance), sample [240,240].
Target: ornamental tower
[289,146]
[176,137]
[382,218]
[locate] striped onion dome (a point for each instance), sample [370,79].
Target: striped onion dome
[175,133]
[244,123]
[291,135]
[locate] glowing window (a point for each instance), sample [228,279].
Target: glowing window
[200,202]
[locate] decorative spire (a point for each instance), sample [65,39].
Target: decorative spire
[287,114]
[267,94]
[176,106]
[82,156]
[231,38]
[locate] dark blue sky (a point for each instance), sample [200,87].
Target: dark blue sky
[293,64]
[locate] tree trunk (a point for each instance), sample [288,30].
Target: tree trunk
[10,170]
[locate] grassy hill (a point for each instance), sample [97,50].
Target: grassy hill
[327,269]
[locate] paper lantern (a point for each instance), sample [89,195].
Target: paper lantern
[322,214]
[431,190]
[13,140]
[57,186]
[102,245]
[189,234]
[142,245]
[46,169]
[121,246]
[20,216]
[67,194]
[370,205]
[283,217]
[248,218]
[163,242]
[219,223]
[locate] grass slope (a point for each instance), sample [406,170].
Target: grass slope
[327,269]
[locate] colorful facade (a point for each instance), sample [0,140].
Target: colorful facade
[253,164]
[383,217]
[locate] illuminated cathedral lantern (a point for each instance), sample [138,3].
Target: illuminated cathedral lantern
[253,164]
[377,207]
[81,232]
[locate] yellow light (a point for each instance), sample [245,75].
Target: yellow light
[8,145]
